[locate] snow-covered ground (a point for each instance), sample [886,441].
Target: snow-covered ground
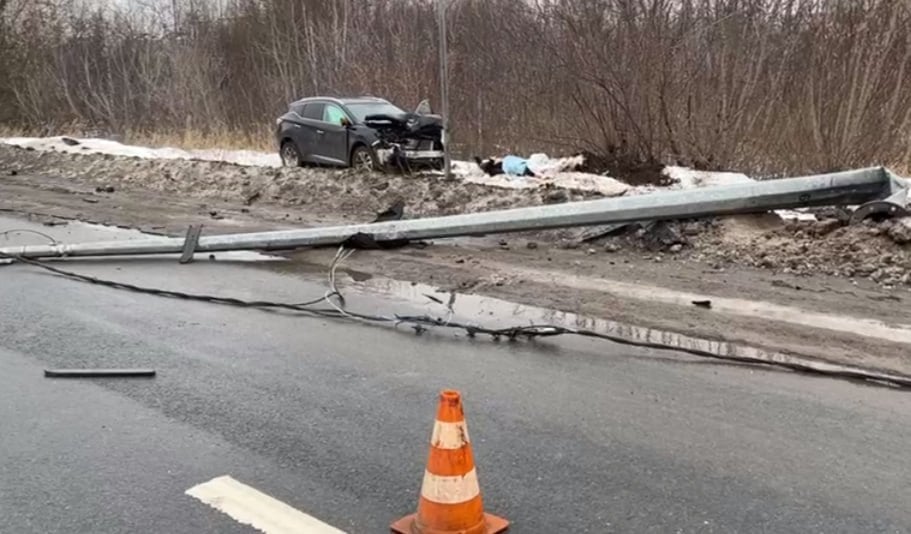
[555,172]
[75,145]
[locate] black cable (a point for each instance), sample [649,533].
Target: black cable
[422,323]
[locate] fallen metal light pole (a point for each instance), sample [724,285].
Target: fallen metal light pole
[875,189]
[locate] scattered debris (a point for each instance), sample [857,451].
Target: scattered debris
[251,198]
[557,196]
[818,243]
[105,189]
[782,283]
[660,235]
[900,231]
[395,212]
[431,297]
[703,303]
[69,141]
[90,200]
[592,234]
[826,226]
[99,373]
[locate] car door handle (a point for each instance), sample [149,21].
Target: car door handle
[320,132]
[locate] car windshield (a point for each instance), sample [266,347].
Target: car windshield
[362,110]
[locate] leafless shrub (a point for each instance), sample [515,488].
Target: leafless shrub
[767,86]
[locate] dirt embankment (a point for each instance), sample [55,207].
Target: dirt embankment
[879,251]
[875,250]
[322,191]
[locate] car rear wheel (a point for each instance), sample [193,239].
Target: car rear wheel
[362,159]
[291,156]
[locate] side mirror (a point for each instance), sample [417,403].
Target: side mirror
[346,122]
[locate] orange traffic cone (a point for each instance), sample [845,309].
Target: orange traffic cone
[450,500]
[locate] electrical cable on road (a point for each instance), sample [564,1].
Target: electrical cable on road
[423,323]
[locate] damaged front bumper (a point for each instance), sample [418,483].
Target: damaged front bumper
[408,141]
[394,156]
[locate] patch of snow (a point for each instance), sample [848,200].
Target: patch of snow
[106,146]
[575,181]
[686,178]
[796,215]
[542,165]
[554,172]
[465,169]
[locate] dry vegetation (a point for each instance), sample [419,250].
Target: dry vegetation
[760,85]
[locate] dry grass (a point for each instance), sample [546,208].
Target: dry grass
[195,139]
[187,139]
[766,87]
[13,131]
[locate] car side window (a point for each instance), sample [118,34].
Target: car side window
[298,108]
[334,115]
[314,110]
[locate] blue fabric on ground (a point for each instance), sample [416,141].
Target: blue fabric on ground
[514,165]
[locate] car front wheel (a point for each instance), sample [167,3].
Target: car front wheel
[362,159]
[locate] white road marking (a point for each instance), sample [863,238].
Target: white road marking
[250,506]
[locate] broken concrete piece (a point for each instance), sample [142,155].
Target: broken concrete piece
[826,226]
[660,235]
[900,231]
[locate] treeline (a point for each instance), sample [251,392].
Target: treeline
[758,85]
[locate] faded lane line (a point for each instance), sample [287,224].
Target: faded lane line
[899,333]
[250,506]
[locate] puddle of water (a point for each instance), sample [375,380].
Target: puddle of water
[898,333]
[497,313]
[492,312]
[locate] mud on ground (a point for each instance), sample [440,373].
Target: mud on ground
[322,191]
[879,251]
[710,257]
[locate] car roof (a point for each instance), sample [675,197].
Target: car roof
[343,101]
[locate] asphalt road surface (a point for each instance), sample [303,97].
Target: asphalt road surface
[333,418]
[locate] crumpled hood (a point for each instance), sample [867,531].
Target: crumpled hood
[407,125]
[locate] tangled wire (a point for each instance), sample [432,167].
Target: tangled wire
[337,309]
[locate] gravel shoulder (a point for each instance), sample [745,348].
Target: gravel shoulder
[857,272]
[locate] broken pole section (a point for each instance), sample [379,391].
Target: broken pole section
[844,188]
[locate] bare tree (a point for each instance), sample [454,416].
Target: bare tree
[762,85]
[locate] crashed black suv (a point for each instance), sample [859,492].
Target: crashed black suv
[362,132]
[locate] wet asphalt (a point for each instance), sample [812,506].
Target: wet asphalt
[333,418]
